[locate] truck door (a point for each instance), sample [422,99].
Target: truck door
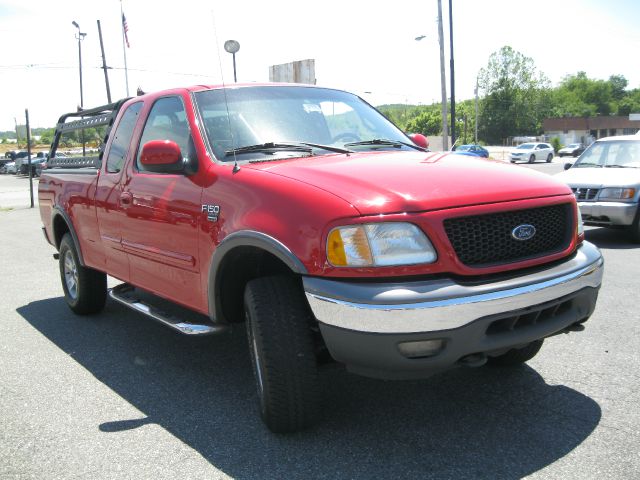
[109,195]
[160,233]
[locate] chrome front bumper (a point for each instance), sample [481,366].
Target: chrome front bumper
[443,304]
[608,213]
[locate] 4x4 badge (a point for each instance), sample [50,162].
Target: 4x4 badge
[212,211]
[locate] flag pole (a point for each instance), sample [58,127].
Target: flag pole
[124,48]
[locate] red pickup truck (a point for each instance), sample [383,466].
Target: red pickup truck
[304,213]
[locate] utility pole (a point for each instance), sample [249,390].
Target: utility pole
[453,78]
[15,122]
[465,127]
[443,81]
[104,64]
[26,114]
[476,92]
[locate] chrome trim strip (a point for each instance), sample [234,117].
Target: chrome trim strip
[443,304]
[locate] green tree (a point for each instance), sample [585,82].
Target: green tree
[427,122]
[516,96]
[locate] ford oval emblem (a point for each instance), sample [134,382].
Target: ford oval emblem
[523,232]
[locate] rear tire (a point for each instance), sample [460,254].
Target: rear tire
[516,356]
[282,352]
[85,289]
[532,158]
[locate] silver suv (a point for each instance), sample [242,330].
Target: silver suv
[606,183]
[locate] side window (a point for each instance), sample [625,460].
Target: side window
[167,121]
[122,138]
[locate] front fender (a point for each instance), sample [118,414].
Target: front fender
[245,238]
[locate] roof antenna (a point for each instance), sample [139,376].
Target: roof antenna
[236,167]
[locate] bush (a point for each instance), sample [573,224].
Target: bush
[555,143]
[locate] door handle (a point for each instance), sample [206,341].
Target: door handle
[126,198]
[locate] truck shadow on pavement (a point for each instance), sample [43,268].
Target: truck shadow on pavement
[467,423]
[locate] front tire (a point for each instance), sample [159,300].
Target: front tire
[282,352]
[549,157]
[517,356]
[85,289]
[532,158]
[634,228]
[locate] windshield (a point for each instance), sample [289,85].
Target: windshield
[254,116]
[611,154]
[525,146]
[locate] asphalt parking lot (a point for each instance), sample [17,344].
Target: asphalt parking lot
[119,396]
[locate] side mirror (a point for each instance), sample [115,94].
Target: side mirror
[567,166]
[162,156]
[419,139]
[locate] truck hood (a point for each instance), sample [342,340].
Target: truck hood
[392,182]
[600,177]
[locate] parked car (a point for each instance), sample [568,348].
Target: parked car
[530,152]
[472,150]
[22,159]
[9,167]
[571,150]
[22,163]
[606,183]
[42,165]
[11,155]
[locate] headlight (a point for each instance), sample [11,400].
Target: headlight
[617,193]
[378,245]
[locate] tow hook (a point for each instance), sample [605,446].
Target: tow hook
[473,360]
[576,327]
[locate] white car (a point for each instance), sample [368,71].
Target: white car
[530,152]
[9,167]
[606,183]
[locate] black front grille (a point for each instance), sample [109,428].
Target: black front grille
[486,240]
[585,193]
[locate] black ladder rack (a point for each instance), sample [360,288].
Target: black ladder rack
[89,118]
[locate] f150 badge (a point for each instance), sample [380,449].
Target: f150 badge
[212,211]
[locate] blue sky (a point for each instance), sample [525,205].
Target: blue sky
[358,46]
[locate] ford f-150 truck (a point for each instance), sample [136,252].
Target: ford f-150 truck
[304,213]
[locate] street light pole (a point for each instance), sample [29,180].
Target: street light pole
[80,36]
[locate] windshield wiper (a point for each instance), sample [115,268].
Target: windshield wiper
[619,166]
[384,142]
[329,148]
[579,165]
[273,147]
[268,147]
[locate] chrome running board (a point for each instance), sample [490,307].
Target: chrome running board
[140,301]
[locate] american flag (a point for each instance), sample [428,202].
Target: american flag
[125,29]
